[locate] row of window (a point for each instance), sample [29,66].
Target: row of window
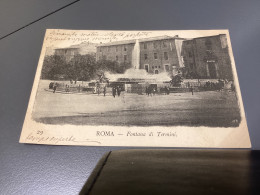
[155,56]
[105,57]
[155,45]
[165,55]
[109,48]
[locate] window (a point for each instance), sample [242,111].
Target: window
[165,55]
[164,44]
[154,45]
[145,56]
[155,56]
[124,48]
[152,67]
[116,58]
[125,57]
[145,45]
[208,44]
[156,71]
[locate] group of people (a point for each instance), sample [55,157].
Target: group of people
[214,86]
[99,90]
[116,90]
[150,90]
[53,86]
[166,90]
[67,88]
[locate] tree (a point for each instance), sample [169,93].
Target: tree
[112,66]
[53,66]
[81,67]
[107,65]
[124,66]
[176,80]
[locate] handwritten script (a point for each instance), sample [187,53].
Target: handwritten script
[55,139]
[95,36]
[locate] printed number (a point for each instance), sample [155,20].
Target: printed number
[39,132]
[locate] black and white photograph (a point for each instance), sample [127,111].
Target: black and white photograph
[137,79]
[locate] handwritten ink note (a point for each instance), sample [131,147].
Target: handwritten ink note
[95,36]
[40,138]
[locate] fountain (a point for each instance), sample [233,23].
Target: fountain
[135,75]
[136,55]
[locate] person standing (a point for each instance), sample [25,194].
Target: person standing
[165,90]
[114,91]
[79,88]
[168,90]
[54,87]
[98,91]
[154,91]
[104,91]
[118,91]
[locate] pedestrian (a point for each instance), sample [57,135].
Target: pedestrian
[118,91]
[191,88]
[149,90]
[104,91]
[188,84]
[79,89]
[51,85]
[68,88]
[114,91]
[154,90]
[98,91]
[165,90]
[54,87]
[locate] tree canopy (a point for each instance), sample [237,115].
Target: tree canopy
[80,67]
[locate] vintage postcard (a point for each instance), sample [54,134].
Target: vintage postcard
[136,88]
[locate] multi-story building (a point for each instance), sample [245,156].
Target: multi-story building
[207,57]
[69,52]
[157,54]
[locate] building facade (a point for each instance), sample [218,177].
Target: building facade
[67,53]
[80,49]
[157,54]
[207,57]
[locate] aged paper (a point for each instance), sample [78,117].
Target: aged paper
[136,88]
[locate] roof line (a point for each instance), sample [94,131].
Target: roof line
[165,37]
[204,37]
